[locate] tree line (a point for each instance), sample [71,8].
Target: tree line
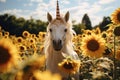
[15,26]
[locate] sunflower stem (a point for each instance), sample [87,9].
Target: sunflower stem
[114,70]
[69,77]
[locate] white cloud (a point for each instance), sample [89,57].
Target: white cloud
[43,8]
[36,0]
[105,1]
[18,13]
[94,9]
[95,20]
[13,11]
[3,1]
[65,1]
[29,4]
[108,8]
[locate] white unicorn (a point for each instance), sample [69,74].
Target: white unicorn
[58,42]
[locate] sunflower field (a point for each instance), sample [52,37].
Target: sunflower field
[22,58]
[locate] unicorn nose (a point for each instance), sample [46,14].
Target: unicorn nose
[57,44]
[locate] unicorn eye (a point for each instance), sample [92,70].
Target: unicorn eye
[50,30]
[65,30]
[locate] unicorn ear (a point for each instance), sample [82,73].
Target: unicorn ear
[66,17]
[49,17]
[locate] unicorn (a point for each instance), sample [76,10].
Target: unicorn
[58,41]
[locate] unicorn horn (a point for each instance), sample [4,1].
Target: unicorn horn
[57,11]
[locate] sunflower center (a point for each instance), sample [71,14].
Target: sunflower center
[93,45]
[117,31]
[68,66]
[22,48]
[19,40]
[25,34]
[118,16]
[4,55]
[31,41]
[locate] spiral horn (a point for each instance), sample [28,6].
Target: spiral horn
[57,11]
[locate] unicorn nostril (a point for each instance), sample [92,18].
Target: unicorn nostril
[60,41]
[57,44]
[54,42]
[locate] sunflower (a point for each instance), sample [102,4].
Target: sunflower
[115,17]
[117,31]
[1,34]
[6,33]
[32,35]
[93,46]
[32,41]
[104,34]
[22,48]
[37,75]
[41,48]
[6,36]
[69,65]
[42,34]
[19,39]
[39,62]
[118,54]
[8,55]
[26,34]
[0,28]
[87,32]
[97,30]
[46,75]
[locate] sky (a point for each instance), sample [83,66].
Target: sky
[37,9]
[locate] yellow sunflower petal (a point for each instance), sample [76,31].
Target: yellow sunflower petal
[8,55]
[115,17]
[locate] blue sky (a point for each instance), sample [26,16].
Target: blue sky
[96,9]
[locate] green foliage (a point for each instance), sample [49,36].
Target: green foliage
[103,25]
[17,25]
[78,28]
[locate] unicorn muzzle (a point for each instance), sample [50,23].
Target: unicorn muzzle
[57,44]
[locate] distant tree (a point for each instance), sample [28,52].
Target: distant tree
[78,28]
[10,24]
[3,20]
[86,21]
[103,25]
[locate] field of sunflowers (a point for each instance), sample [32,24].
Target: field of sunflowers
[22,58]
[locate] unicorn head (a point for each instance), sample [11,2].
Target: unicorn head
[58,28]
